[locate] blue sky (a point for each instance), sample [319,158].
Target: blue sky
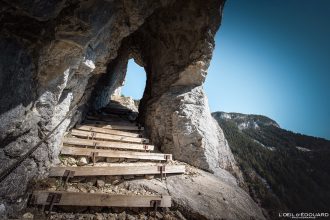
[271,58]
[135,80]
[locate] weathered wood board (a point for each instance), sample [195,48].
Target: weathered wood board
[78,151]
[99,199]
[107,144]
[117,170]
[107,131]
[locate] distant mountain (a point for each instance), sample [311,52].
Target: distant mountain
[284,171]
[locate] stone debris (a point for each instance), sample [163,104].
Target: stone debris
[114,180]
[158,215]
[127,102]
[82,188]
[70,160]
[131,160]
[98,216]
[100,183]
[129,177]
[28,215]
[124,215]
[82,161]
[108,185]
[149,177]
[112,160]
[179,215]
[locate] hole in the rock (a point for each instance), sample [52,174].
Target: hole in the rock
[134,83]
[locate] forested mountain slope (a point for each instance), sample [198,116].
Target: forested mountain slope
[284,171]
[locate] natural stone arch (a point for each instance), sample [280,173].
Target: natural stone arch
[174,107]
[115,74]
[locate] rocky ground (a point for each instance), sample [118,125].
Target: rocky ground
[106,214]
[193,194]
[109,185]
[104,184]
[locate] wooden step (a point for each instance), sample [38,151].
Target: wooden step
[111,137]
[97,199]
[107,144]
[110,115]
[117,170]
[117,117]
[109,118]
[107,131]
[102,124]
[116,111]
[109,122]
[117,106]
[66,150]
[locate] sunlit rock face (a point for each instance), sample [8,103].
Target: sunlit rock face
[56,55]
[176,49]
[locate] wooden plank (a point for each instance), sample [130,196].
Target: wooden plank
[107,144]
[100,199]
[109,118]
[111,115]
[102,124]
[116,111]
[116,170]
[116,116]
[115,153]
[107,131]
[117,107]
[109,122]
[111,137]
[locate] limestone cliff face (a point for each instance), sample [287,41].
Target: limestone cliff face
[176,49]
[59,54]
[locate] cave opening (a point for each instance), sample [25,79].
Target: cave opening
[134,83]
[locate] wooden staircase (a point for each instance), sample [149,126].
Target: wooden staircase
[108,135]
